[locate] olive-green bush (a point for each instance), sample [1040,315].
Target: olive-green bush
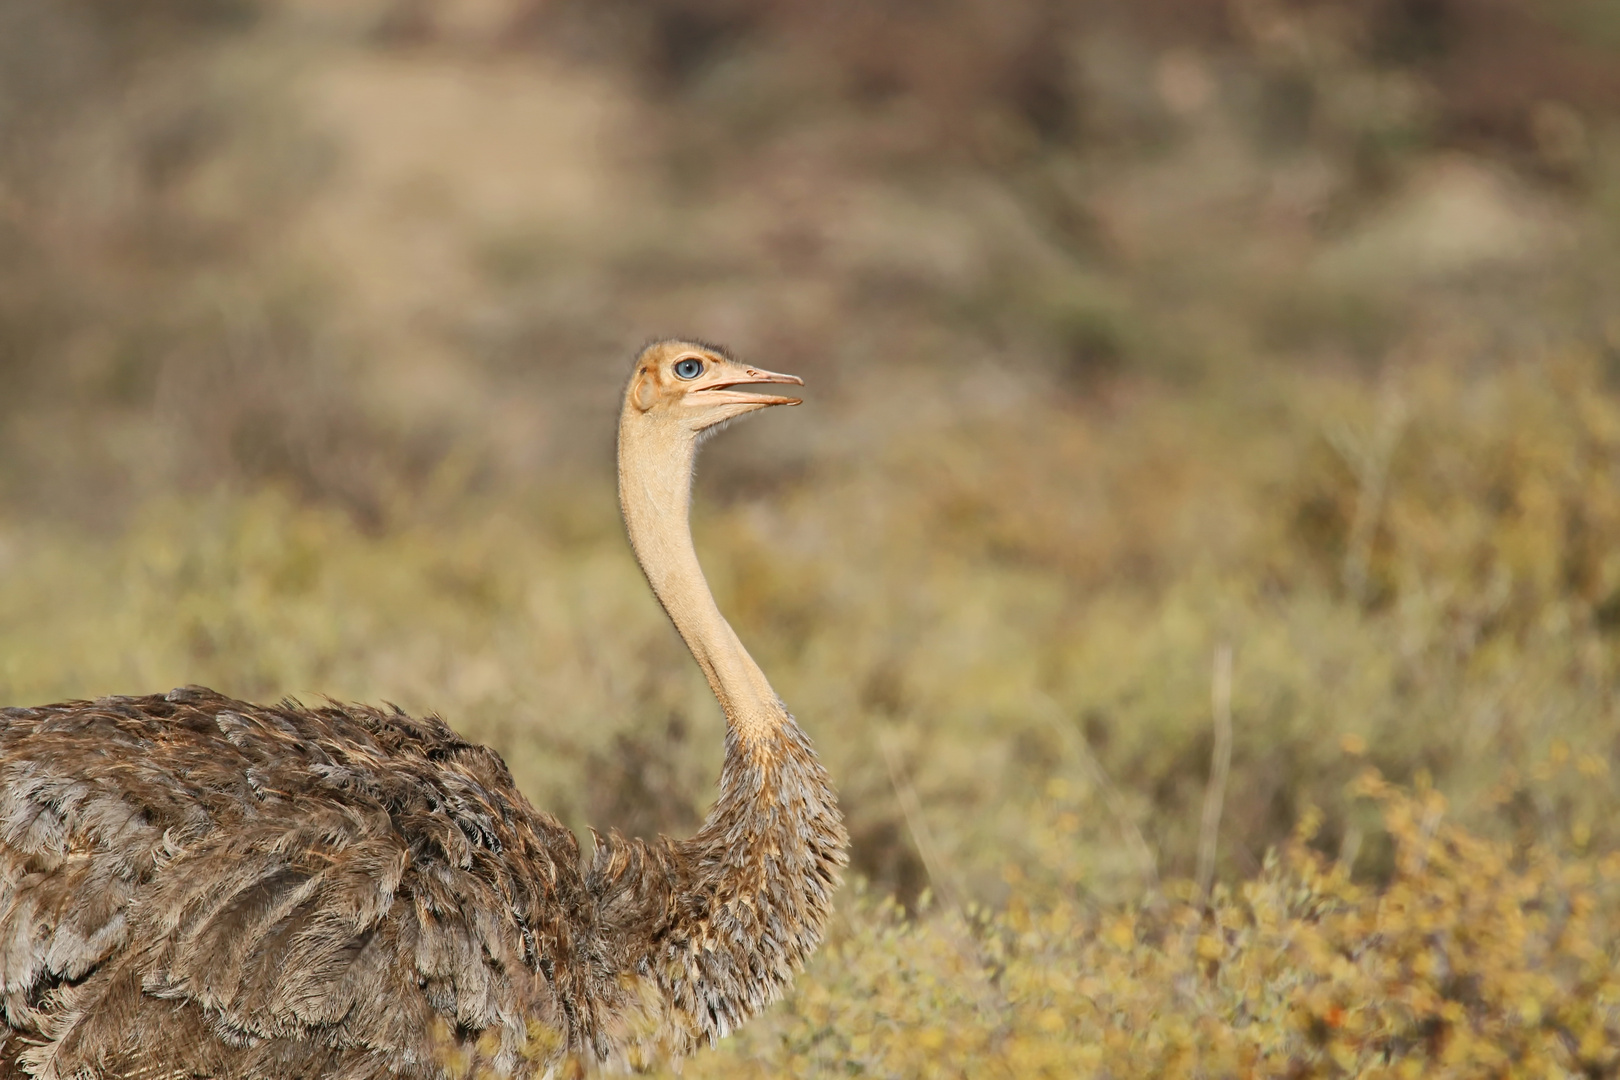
[1473,960]
[1001,637]
[1136,337]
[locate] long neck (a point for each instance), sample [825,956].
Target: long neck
[655,485]
[703,932]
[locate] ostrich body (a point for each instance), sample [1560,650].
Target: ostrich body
[192,886]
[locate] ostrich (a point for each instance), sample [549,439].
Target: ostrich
[193,886]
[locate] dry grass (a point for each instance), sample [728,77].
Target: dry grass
[1285,336]
[1044,698]
[1473,960]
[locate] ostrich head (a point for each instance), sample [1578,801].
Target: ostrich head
[681,388]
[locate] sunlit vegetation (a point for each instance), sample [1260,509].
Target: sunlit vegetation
[1020,722]
[1472,959]
[1278,332]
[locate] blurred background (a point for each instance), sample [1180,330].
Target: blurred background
[1132,331]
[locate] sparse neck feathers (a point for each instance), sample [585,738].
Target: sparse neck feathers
[655,494]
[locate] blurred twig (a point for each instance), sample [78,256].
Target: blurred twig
[1370,461]
[1432,814]
[1112,798]
[921,837]
[1220,768]
[991,999]
[1348,850]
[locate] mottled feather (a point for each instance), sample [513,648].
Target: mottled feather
[196,886]
[193,886]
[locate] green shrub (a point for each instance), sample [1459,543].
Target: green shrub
[1473,960]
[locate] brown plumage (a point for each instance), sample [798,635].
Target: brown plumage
[192,886]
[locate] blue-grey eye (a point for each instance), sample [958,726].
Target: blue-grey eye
[690,368]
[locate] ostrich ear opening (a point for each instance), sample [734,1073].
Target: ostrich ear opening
[644,393]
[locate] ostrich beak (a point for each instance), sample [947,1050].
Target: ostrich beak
[723,391]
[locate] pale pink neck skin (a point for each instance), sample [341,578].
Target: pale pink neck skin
[655,493]
[718,922]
